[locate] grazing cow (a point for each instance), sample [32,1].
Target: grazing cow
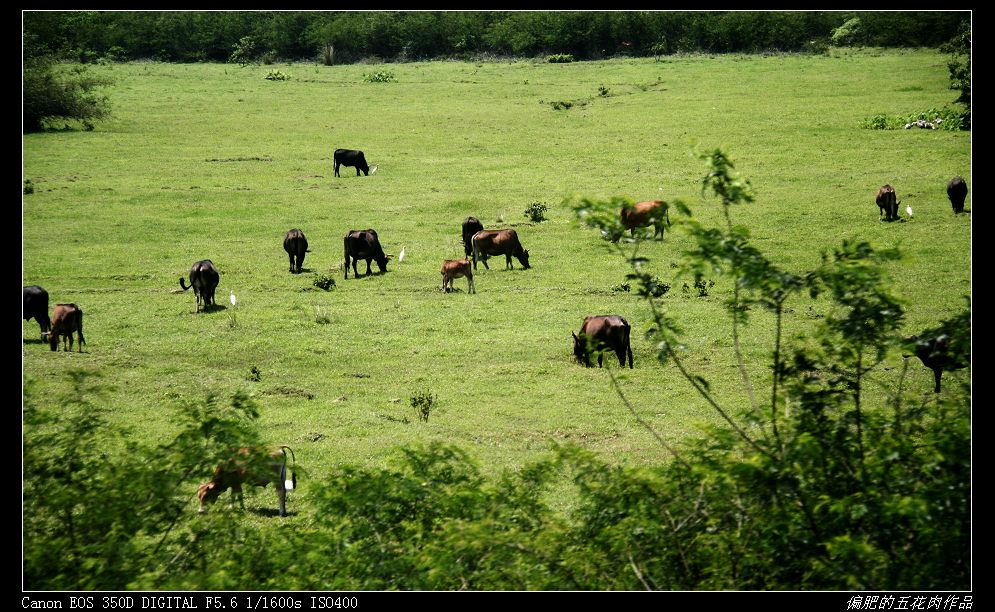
[36,306]
[957,192]
[350,157]
[600,333]
[937,354]
[66,319]
[643,214]
[364,244]
[887,203]
[295,244]
[498,242]
[257,467]
[471,226]
[456,268]
[204,279]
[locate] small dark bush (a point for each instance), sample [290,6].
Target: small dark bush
[536,212]
[423,402]
[323,281]
[28,187]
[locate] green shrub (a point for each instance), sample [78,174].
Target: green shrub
[560,58]
[29,187]
[324,281]
[536,212]
[243,52]
[380,76]
[423,402]
[54,92]
[276,75]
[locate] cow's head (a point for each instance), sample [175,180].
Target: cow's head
[580,349]
[523,258]
[382,263]
[52,339]
[207,493]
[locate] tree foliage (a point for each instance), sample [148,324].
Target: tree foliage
[412,35]
[56,92]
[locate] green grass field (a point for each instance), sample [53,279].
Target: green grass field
[214,161]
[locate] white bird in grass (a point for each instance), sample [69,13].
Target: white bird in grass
[908,209]
[400,257]
[231,298]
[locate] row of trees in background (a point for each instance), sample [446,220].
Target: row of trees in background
[830,473]
[344,37]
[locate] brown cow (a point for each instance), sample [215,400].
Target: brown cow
[498,242]
[66,319]
[887,203]
[957,192]
[295,244]
[257,467]
[643,214]
[600,333]
[456,268]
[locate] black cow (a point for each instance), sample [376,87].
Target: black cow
[600,333]
[887,203]
[204,279]
[498,242]
[363,244]
[255,466]
[471,225]
[957,192]
[351,157]
[36,306]
[295,244]
[66,319]
[937,354]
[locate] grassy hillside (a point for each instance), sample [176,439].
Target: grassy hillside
[215,161]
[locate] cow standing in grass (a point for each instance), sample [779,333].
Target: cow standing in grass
[66,319]
[36,307]
[350,157]
[957,192]
[456,268]
[254,466]
[643,214]
[600,333]
[887,203]
[499,242]
[363,244]
[295,244]
[471,225]
[204,278]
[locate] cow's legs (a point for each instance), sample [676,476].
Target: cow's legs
[469,282]
[507,261]
[368,267]
[937,373]
[281,494]
[601,357]
[291,263]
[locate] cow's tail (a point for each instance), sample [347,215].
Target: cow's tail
[628,345]
[283,468]
[182,285]
[473,246]
[666,213]
[79,327]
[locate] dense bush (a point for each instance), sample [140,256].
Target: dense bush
[380,76]
[54,92]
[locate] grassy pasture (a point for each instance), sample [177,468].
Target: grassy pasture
[213,161]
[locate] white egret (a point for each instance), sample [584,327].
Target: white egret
[231,297]
[400,257]
[908,209]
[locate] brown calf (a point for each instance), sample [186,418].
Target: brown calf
[66,319]
[257,467]
[456,268]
